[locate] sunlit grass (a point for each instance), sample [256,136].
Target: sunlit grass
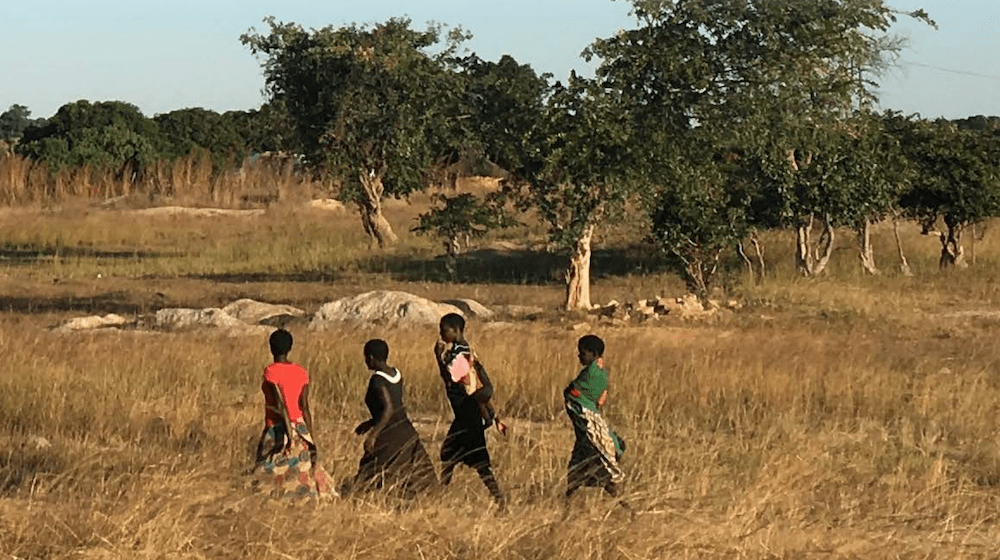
[841,417]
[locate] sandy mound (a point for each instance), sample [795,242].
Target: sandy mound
[383,308]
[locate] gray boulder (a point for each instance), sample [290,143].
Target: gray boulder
[177,319]
[472,309]
[254,312]
[388,308]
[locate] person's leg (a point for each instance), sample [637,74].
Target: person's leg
[486,475]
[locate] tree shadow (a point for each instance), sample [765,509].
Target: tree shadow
[515,266]
[30,254]
[263,277]
[120,303]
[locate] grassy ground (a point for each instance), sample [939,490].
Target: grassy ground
[844,417]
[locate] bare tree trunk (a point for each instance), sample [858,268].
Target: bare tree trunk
[825,248]
[746,260]
[370,206]
[810,260]
[972,245]
[904,265]
[952,253]
[578,273]
[865,251]
[759,249]
[803,248]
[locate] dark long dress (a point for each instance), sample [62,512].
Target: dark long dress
[398,458]
[466,439]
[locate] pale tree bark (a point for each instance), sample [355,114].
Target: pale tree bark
[811,258]
[759,249]
[578,273]
[904,265]
[952,253]
[865,251]
[699,275]
[370,207]
[746,260]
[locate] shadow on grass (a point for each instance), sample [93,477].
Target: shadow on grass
[263,277]
[29,254]
[514,266]
[121,303]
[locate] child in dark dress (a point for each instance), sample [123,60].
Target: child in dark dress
[465,443]
[393,456]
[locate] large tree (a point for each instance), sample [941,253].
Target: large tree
[14,121]
[365,102]
[102,135]
[572,169]
[774,79]
[956,179]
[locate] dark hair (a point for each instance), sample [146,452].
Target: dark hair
[453,320]
[592,343]
[377,348]
[281,342]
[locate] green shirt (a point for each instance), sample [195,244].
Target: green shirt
[592,382]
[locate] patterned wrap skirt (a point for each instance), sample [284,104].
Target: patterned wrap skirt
[292,472]
[597,450]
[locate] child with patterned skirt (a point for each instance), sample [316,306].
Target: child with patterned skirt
[469,391]
[286,462]
[598,449]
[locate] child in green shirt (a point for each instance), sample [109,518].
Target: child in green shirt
[598,449]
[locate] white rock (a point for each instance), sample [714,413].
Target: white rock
[253,312]
[472,308]
[383,308]
[328,204]
[173,319]
[93,322]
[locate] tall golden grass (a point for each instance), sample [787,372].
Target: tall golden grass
[189,180]
[844,417]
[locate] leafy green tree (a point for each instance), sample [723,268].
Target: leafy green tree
[773,78]
[462,217]
[365,102]
[956,179]
[109,134]
[268,129]
[702,215]
[187,131]
[14,121]
[571,168]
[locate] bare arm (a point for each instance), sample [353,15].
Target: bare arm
[304,406]
[284,413]
[381,422]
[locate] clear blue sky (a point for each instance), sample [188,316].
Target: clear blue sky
[168,54]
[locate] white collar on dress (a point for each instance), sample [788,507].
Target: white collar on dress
[390,378]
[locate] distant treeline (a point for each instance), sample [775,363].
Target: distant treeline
[717,120]
[115,135]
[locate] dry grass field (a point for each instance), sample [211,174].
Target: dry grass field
[845,417]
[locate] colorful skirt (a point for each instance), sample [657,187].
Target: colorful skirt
[597,450]
[291,472]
